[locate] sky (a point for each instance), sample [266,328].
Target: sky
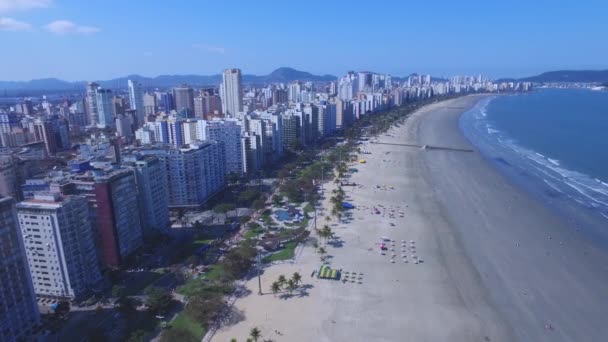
[103,39]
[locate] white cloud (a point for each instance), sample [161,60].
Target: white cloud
[23,5]
[10,24]
[62,27]
[209,48]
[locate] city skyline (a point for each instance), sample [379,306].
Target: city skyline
[257,38]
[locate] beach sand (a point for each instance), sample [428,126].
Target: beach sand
[498,265]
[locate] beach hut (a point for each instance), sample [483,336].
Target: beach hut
[325,272]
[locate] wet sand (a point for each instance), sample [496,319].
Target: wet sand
[490,270]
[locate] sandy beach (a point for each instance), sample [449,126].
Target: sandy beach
[498,265]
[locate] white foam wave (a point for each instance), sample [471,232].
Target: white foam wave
[554,161]
[553,186]
[492,131]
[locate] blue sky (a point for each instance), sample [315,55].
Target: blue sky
[95,39]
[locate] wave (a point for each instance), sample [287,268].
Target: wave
[588,191]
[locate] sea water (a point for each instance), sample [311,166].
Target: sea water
[554,142]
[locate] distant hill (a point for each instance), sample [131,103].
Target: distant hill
[283,74]
[581,76]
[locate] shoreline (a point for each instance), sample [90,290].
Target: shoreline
[486,272]
[516,167]
[541,272]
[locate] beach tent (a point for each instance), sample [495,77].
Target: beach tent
[325,272]
[347,205]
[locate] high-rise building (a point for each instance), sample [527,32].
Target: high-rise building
[113,203]
[229,134]
[11,176]
[200,107]
[118,105]
[184,101]
[194,172]
[149,104]
[153,192]
[232,92]
[105,109]
[60,245]
[124,127]
[136,100]
[19,315]
[167,101]
[45,131]
[92,103]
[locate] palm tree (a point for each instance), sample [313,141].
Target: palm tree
[281,281]
[275,287]
[255,334]
[297,278]
[291,285]
[327,218]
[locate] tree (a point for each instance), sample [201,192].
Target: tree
[159,300]
[277,200]
[204,308]
[259,204]
[248,196]
[275,287]
[297,278]
[233,339]
[177,334]
[224,207]
[282,280]
[322,252]
[255,334]
[138,335]
[126,305]
[291,285]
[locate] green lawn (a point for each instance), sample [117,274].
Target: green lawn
[215,273]
[251,233]
[308,208]
[183,322]
[285,254]
[195,285]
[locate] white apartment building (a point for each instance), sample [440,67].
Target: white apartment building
[59,244]
[231,92]
[228,132]
[195,172]
[153,192]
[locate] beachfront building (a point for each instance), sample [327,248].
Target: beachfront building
[19,315]
[60,246]
[112,196]
[195,172]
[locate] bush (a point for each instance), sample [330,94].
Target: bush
[224,207]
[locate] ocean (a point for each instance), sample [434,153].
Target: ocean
[553,142]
